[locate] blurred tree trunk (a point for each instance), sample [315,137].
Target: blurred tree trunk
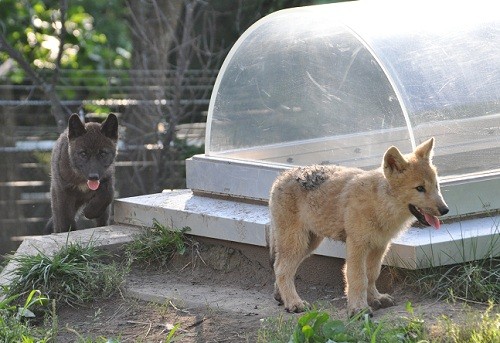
[153,26]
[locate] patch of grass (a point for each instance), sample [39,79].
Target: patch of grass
[15,321]
[475,281]
[477,328]
[157,245]
[276,329]
[74,275]
[318,326]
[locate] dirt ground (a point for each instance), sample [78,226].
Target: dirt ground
[217,294]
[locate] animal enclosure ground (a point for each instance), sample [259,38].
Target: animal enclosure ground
[216,295]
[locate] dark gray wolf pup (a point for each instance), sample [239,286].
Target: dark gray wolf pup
[82,173]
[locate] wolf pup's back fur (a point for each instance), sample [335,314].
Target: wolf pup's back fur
[82,173]
[365,209]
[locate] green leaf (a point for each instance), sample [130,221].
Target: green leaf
[333,328]
[308,332]
[307,318]
[321,319]
[409,307]
[24,313]
[4,304]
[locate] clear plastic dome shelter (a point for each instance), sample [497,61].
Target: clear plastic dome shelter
[340,83]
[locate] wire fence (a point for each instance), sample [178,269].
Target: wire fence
[28,132]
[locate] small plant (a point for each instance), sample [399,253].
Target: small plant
[315,326]
[318,327]
[170,336]
[476,281]
[157,245]
[15,320]
[74,275]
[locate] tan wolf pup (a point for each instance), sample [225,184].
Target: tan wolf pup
[364,209]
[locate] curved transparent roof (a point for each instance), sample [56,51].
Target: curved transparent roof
[340,83]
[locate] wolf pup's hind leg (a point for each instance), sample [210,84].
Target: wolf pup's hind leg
[291,250]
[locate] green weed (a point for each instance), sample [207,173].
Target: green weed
[315,326]
[475,281]
[15,321]
[157,245]
[276,329]
[477,328]
[319,327]
[170,336]
[74,275]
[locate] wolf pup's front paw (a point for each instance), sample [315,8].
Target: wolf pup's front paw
[297,307]
[361,312]
[277,296]
[382,301]
[92,213]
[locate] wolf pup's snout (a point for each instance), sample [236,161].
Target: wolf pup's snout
[93,181]
[93,176]
[444,210]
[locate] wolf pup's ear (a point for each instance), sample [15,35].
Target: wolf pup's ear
[394,161]
[425,150]
[110,127]
[75,127]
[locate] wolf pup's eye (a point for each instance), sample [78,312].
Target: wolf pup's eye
[83,154]
[103,153]
[421,189]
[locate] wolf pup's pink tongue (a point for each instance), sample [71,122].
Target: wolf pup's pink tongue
[93,184]
[432,220]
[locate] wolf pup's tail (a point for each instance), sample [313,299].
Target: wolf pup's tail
[271,244]
[49,227]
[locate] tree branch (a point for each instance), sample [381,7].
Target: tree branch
[62,38]
[57,110]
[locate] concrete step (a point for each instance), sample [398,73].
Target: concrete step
[234,221]
[109,237]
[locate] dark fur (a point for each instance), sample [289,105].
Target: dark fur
[83,152]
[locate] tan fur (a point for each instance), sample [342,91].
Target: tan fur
[365,209]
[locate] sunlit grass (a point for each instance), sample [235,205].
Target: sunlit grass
[476,281]
[476,327]
[74,275]
[320,326]
[156,246]
[16,320]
